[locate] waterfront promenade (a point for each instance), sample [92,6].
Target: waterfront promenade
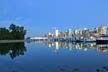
[11,41]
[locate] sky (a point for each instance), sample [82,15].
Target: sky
[41,16]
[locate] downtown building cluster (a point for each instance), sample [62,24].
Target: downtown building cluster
[80,34]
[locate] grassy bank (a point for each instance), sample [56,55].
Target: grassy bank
[11,41]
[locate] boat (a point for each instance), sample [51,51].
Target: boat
[102,40]
[90,40]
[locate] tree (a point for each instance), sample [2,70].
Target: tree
[14,32]
[4,33]
[12,27]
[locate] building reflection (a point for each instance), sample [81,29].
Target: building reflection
[12,49]
[78,46]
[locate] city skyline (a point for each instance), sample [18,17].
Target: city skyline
[40,17]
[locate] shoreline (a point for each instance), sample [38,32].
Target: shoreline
[11,41]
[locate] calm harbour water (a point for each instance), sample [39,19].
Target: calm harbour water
[53,57]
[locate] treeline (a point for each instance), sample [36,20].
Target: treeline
[12,33]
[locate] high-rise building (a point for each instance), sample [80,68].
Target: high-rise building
[70,32]
[50,35]
[85,33]
[56,32]
[102,30]
[107,31]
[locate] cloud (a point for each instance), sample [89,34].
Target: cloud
[19,18]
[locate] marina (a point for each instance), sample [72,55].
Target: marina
[99,40]
[98,34]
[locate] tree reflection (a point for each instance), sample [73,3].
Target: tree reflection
[13,49]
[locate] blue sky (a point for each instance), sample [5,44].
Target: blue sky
[41,16]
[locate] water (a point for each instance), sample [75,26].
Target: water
[53,57]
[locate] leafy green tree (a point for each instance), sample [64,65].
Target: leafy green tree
[17,31]
[12,27]
[4,33]
[14,32]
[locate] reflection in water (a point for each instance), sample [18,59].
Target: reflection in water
[40,58]
[13,49]
[78,46]
[65,68]
[57,45]
[102,69]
